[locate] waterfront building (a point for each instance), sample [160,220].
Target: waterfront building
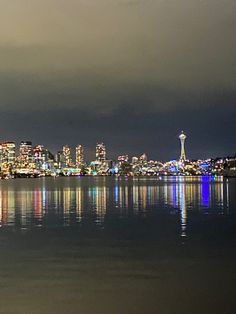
[11,152]
[7,153]
[25,152]
[60,160]
[39,154]
[7,158]
[100,152]
[67,155]
[42,157]
[79,156]
[230,167]
[49,163]
[182,138]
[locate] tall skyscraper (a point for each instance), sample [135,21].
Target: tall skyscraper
[7,152]
[60,159]
[11,152]
[39,154]
[182,138]
[67,155]
[42,157]
[100,152]
[25,154]
[79,156]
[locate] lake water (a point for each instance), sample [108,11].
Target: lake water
[118,245]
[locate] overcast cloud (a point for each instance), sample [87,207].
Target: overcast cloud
[130,73]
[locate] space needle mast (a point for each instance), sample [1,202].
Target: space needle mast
[182,138]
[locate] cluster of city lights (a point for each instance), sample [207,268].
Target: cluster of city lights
[36,161]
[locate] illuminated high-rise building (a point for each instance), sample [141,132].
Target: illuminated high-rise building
[79,156]
[25,153]
[67,155]
[7,152]
[11,152]
[182,138]
[42,157]
[60,159]
[39,154]
[3,153]
[100,152]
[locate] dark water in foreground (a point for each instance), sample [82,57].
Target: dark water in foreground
[107,245]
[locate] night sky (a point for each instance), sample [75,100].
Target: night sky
[130,73]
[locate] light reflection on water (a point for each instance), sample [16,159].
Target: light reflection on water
[48,202]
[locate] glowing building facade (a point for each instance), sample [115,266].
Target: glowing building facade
[42,157]
[7,152]
[79,156]
[67,155]
[39,154]
[25,153]
[100,152]
[60,159]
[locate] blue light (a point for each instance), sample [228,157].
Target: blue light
[204,166]
[173,169]
[205,191]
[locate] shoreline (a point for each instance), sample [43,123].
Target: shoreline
[159,176]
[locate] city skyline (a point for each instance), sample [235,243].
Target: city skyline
[165,145]
[80,152]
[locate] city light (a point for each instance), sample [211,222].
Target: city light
[38,161]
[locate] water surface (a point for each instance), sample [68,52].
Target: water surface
[117,245]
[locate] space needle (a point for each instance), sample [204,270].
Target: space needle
[182,138]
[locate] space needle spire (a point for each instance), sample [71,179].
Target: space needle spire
[182,138]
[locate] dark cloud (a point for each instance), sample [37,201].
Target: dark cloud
[130,73]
